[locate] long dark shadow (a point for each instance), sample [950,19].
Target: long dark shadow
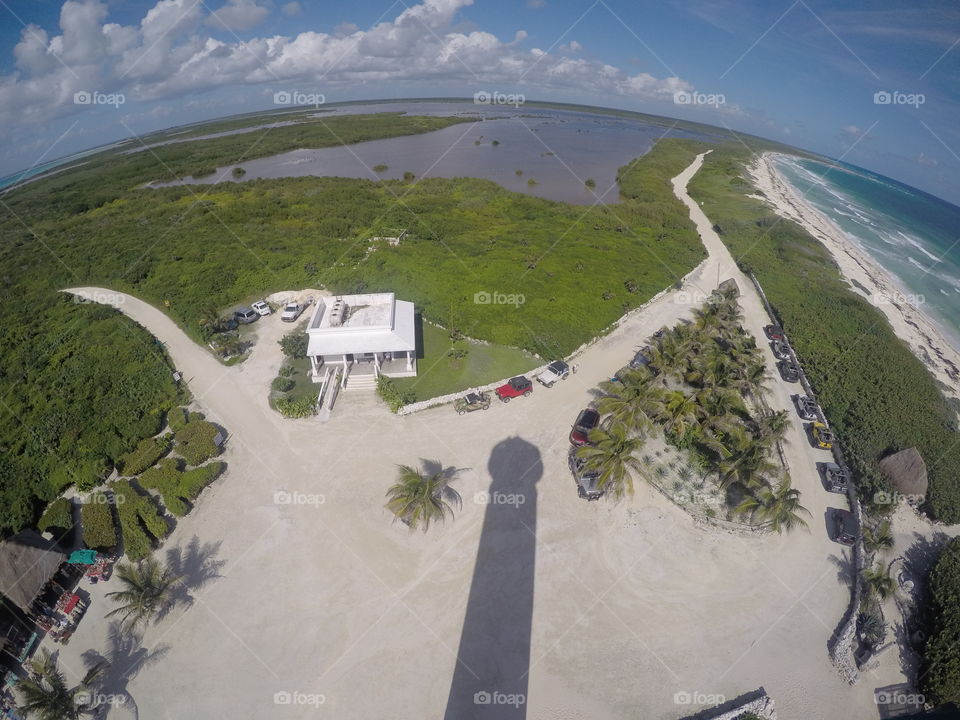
[490,678]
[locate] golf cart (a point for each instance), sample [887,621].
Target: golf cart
[807,407]
[471,401]
[836,478]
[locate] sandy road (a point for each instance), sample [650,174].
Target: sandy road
[634,609]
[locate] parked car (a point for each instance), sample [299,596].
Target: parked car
[835,478]
[822,435]
[844,527]
[642,359]
[557,370]
[774,332]
[780,349]
[586,421]
[228,324]
[807,407]
[246,315]
[292,311]
[261,308]
[472,401]
[514,387]
[789,371]
[588,481]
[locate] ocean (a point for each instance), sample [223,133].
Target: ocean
[911,234]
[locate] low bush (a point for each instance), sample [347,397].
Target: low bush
[147,452]
[195,440]
[57,519]
[282,384]
[177,418]
[304,407]
[194,481]
[294,345]
[392,395]
[941,678]
[96,521]
[141,523]
[165,478]
[288,371]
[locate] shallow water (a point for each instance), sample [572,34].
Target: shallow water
[558,150]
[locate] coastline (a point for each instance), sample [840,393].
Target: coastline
[865,275]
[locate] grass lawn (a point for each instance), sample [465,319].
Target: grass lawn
[439,375]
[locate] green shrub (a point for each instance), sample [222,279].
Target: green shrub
[392,395]
[282,384]
[141,523]
[941,678]
[96,521]
[288,371]
[147,452]
[165,478]
[294,345]
[57,519]
[304,407]
[194,441]
[194,481]
[238,172]
[380,168]
[177,418]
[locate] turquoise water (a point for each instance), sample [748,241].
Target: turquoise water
[911,234]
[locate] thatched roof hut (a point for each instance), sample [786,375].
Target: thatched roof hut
[907,472]
[27,563]
[729,288]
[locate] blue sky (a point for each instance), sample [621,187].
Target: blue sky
[804,72]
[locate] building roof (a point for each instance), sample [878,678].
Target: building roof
[375,322]
[907,471]
[27,562]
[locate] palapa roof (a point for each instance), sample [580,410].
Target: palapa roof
[27,562]
[907,471]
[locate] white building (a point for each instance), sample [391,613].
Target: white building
[366,335]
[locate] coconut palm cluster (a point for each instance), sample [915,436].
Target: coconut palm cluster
[702,387]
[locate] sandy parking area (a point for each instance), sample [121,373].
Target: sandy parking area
[589,610]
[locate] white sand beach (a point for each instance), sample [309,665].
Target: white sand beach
[865,276]
[607,611]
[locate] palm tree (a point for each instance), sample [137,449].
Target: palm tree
[752,378]
[742,457]
[878,538]
[872,628]
[878,582]
[773,427]
[613,453]
[147,590]
[419,498]
[635,401]
[779,506]
[47,696]
[679,413]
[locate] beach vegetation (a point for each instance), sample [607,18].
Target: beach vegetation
[422,497]
[147,590]
[57,519]
[196,440]
[46,694]
[142,524]
[96,522]
[940,676]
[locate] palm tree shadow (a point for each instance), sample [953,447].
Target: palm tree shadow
[448,473]
[124,658]
[846,571]
[197,565]
[493,660]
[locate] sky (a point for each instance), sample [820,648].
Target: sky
[875,83]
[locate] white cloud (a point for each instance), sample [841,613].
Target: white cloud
[291,9]
[238,15]
[572,47]
[851,131]
[926,160]
[173,54]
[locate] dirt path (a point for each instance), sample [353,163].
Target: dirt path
[634,608]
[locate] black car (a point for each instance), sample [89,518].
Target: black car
[774,332]
[807,407]
[835,478]
[844,527]
[788,371]
[588,481]
[586,421]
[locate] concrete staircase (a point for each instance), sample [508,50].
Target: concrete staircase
[361,381]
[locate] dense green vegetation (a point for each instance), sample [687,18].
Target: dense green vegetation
[195,439]
[82,385]
[141,522]
[58,519]
[941,677]
[96,519]
[145,454]
[877,395]
[178,487]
